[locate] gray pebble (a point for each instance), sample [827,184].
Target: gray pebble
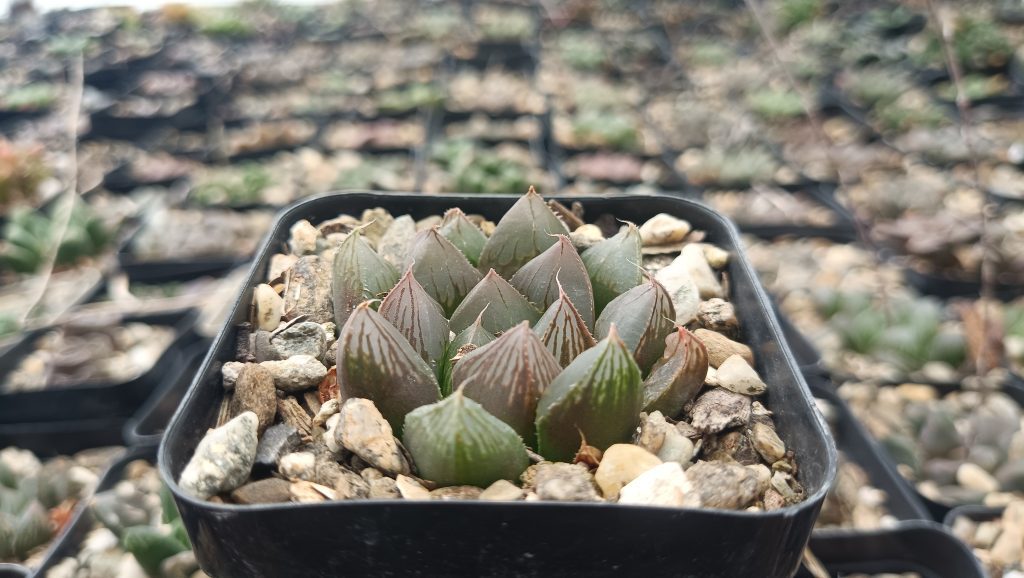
[306,338]
[223,458]
[278,441]
[297,373]
[723,485]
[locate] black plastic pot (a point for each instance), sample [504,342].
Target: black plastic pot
[504,539]
[98,399]
[146,427]
[903,501]
[806,355]
[70,541]
[48,439]
[13,571]
[946,287]
[922,547]
[974,513]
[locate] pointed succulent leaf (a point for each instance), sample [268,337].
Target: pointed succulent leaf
[538,280]
[524,232]
[466,236]
[358,274]
[498,304]
[614,266]
[598,397]
[32,529]
[563,331]
[676,378]
[168,509]
[7,523]
[376,362]
[150,547]
[508,376]
[456,442]
[474,335]
[644,317]
[467,340]
[442,269]
[418,317]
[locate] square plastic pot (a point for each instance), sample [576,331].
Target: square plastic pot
[393,537]
[146,427]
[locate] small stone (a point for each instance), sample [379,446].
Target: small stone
[719,409]
[731,446]
[298,466]
[767,442]
[278,441]
[718,315]
[1008,550]
[736,375]
[229,373]
[723,485]
[586,236]
[664,229]
[383,489]
[306,492]
[773,500]
[456,493]
[394,245]
[716,256]
[973,477]
[711,378]
[376,222]
[985,456]
[279,263]
[254,391]
[331,438]
[621,464]
[564,483]
[268,491]
[351,486]
[721,348]
[941,471]
[223,459]
[302,238]
[180,565]
[692,259]
[1011,476]
[683,290]
[262,348]
[787,486]
[364,432]
[663,485]
[502,491]
[269,307]
[329,408]
[306,338]
[939,435]
[297,373]
[308,289]
[763,476]
[664,440]
[410,489]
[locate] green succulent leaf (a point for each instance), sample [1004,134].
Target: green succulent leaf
[539,279]
[644,317]
[676,378]
[418,317]
[168,509]
[456,442]
[614,266]
[468,339]
[31,530]
[497,303]
[179,533]
[376,362]
[598,397]
[7,522]
[442,269]
[562,330]
[358,274]
[508,376]
[524,232]
[466,236]
[150,547]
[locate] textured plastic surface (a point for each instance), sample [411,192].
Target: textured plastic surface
[13,571]
[146,427]
[97,399]
[508,539]
[902,500]
[70,541]
[47,439]
[922,547]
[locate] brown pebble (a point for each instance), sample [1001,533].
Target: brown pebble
[723,485]
[308,290]
[733,445]
[720,409]
[254,391]
[718,315]
[268,491]
[456,493]
[721,347]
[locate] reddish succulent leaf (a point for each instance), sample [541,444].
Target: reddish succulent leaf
[418,317]
[644,316]
[466,236]
[563,331]
[522,233]
[614,266]
[539,279]
[441,269]
[677,377]
[328,388]
[498,304]
[358,274]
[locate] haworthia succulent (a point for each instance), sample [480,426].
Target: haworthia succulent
[466,236]
[676,378]
[539,279]
[151,547]
[498,304]
[442,269]
[507,377]
[524,232]
[467,340]
[376,362]
[418,317]
[614,266]
[456,442]
[563,332]
[644,316]
[358,274]
[598,397]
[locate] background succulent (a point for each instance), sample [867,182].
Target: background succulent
[535,358]
[22,170]
[29,234]
[126,511]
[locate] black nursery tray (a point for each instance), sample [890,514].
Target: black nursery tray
[96,399]
[13,571]
[947,288]
[902,500]
[372,537]
[146,427]
[922,547]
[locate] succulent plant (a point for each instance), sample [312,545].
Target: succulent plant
[410,98]
[978,43]
[21,172]
[475,169]
[29,98]
[795,13]
[29,234]
[529,363]
[775,105]
[125,511]
[594,127]
[243,185]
